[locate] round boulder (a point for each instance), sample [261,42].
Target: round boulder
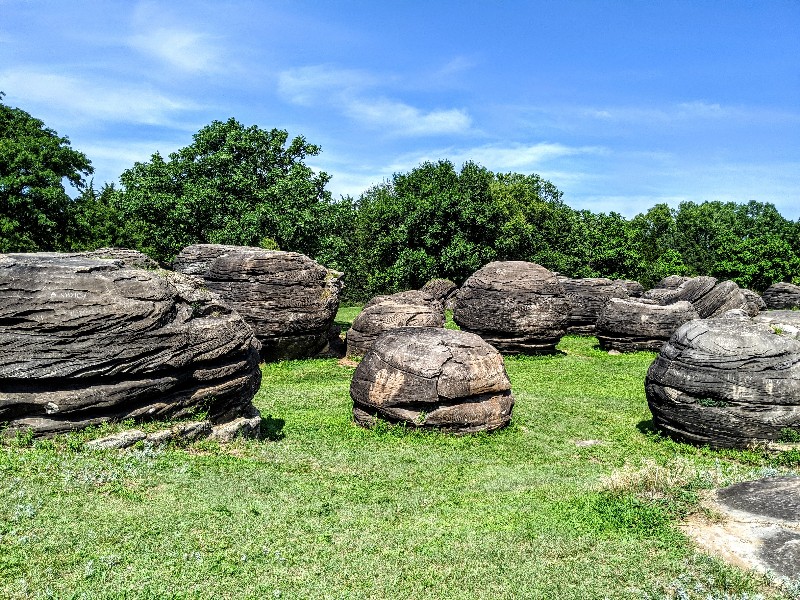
[432,378]
[86,341]
[782,296]
[288,299]
[405,309]
[517,306]
[634,325]
[588,297]
[728,382]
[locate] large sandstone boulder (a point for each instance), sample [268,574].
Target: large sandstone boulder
[518,307]
[588,297]
[288,299]
[782,295]
[432,378]
[634,288]
[726,382]
[87,340]
[441,289]
[405,309]
[633,325]
[709,296]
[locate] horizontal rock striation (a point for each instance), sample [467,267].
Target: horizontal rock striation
[588,298]
[405,309]
[518,307]
[288,299]
[635,325]
[86,340]
[782,296]
[709,296]
[728,382]
[432,378]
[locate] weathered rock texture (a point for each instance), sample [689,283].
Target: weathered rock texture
[588,297]
[755,303]
[288,299]
[84,341]
[405,309]
[635,289]
[726,382]
[518,307]
[634,325]
[432,378]
[710,297]
[782,295]
[441,289]
[786,322]
[129,258]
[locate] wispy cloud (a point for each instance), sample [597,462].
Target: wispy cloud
[183,49]
[90,99]
[353,93]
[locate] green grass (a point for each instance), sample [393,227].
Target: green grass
[324,509]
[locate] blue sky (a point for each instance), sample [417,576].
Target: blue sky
[620,104]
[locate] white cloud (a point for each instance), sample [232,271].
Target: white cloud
[313,84]
[405,120]
[180,48]
[92,100]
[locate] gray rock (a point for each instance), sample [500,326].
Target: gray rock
[432,378]
[117,441]
[129,258]
[243,427]
[288,299]
[85,341]
[440,289]
[635,325]
[405,309]
[786,322]
[782,296]
[726,382]
[634,288]
[588,298]
[674,289]
[518,307]
[755,303]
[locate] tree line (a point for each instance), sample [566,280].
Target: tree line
[249,186]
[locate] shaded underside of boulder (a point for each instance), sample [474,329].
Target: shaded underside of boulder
[518,307]
[782,296]
[432,378]
[634,325]
[588,297]
[405,309]
[85,341]
[288,299]
[727,382]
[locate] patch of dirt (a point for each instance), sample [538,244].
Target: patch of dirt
[346,362]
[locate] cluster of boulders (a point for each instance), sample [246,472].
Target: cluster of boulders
[729,381]
[782,296]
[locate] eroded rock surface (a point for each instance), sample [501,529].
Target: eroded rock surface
[782,296]
[588,297]
[635,325]
[727,382]
[405,309]
[288,299]
[87,340]
[786,322]
[518,307]
[432,378]
[441,289]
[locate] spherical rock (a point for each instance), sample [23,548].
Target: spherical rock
[634,325]
[405,309]
[518,307]
[432,378]
[288,299]
[87,340]
[782,296]
[588,297]
[727,382]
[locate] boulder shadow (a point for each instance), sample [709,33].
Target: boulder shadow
[272,429]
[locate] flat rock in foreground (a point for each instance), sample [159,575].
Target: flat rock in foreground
[728,382]
[85,341]
[517,306]
[288,299]
[432,378]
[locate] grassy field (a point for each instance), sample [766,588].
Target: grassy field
[578,498]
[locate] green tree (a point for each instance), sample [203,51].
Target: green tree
[758,262]
[232,185]
[34,162]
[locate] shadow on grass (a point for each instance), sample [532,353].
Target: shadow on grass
[648,428]
[272,429]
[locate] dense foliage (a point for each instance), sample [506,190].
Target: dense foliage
[245,185]
[34,162]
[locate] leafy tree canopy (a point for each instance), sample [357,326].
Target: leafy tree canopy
[232,185]
[34,162]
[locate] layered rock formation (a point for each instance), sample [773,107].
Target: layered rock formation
[726,382]
[518,307]
[441,289]
[710,297]
[588,298]
[432,378]
[405,309]
[782,296]
[288,299]
[634,325]
[86,340]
